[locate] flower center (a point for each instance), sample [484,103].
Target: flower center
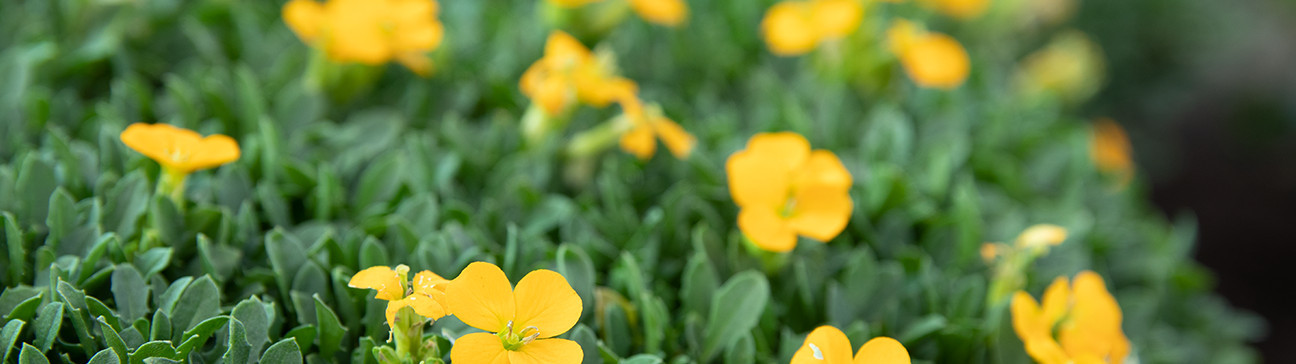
[513,341]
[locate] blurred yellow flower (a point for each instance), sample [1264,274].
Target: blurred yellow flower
[795,27]
[180,151]
[521,321]
[827,344]
[664,12]
[784,189]
[371,32]
[962,9]
[650,125]
[1070,66]
[569,72]
[1110,150]
[1079,322]
[426,295]
[1041,235]
[932,60]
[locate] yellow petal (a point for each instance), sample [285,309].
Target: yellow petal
[211,152]
[416,62]
[423,305]
[1095,322]
[383,279]
[562,51]
[479,347]
[1057,301]
[820,213]
[679,141]
[664,12]
[303,17]
[1041,235]
[901,35]
[547,351]
[761,174]
[882,350]
[789,29]
[545,300]
[822,170]
[1027,319]
[639,141]
[481,297]
[837,18]
[419,35]
[936,61]
[356,32]
[426,282]
[766,229]
[826,344]
[1110,147]
[554,95]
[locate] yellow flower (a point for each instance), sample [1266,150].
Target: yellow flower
[369,31]
[178,150]
[426,295]
[795,27]
[569,72]
[827,344]
[1070,66]
[647,124]
[784,189]
[932,60]
[522,322]
[1110,149]
[664,12]
[962,9]
[1078,323]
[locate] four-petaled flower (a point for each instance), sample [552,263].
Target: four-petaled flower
[180,151]
[648,125]
[569,72]
[785,190]
[827,344]
[932,60]
[521,322]
[795,27]
[371,32]
[1079,322]
[426,295]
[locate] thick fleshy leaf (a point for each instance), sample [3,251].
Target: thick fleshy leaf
[826,344]
[547,351]
[545,300]
[479,347]
[481,297]
[882,350]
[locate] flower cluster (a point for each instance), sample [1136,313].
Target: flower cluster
[521,321]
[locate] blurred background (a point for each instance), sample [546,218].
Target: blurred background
[1207,91]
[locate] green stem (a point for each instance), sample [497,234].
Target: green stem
[172,183]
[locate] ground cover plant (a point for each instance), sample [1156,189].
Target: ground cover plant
[578,181]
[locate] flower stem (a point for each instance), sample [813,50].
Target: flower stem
[172,183]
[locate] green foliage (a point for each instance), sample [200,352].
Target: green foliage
[432,173]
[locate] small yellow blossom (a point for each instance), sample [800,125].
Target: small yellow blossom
[1079,322]
[370,32]
[784,189]
[426,295]
[1041,235]
[795,27]
[569,72]
[1071,67]
[179,150]
[1110,150]
[665,12]
[827,344]
[650,125]
[932,60]
[991,251]
[962,9]
[521,321]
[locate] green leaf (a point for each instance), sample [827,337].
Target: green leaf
[330,329]
[153,261]
[372,253]
[160,326]
[36,182]
[166,220]
[286,257]
[20,302]
[105,356]
[125,204]
[18,271]
[643,359]
[572,262]
[735,309]
[584,336]
[60,220]
[199,334]
[285,351]
[741,351]
[9,336]
[130,292]
[922,327]
[98,308]
[256,323]
[153,349]
[304,335]
[200,301]
[48,323]
[700,282]
[31,355]
[114,340]
[239,351]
